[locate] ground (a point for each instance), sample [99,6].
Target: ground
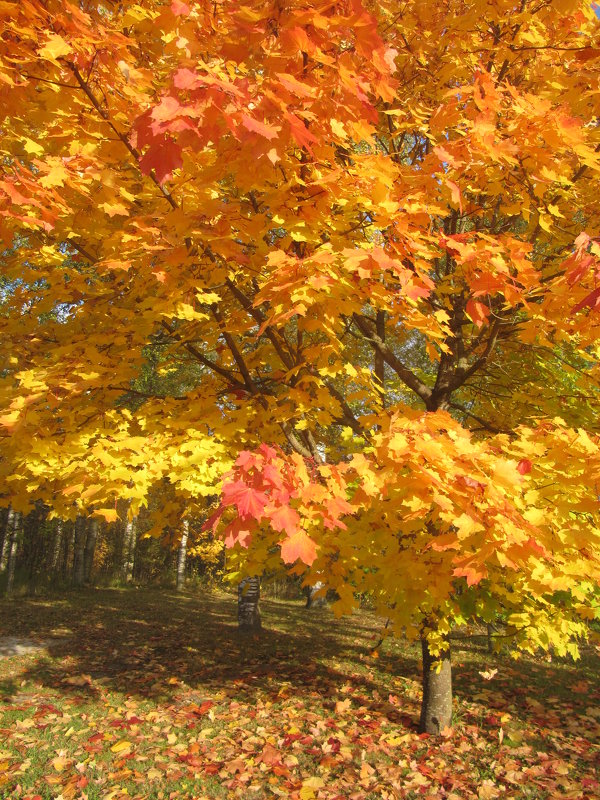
[147,694]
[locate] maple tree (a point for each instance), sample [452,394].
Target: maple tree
[365,239]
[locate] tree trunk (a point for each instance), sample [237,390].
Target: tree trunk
[90,547]
[436,708]
[57,543]
[69,547]
[379,360]
[313,598]
[248,611]
[13,532]
[33,535]
[129,545]
[78,554]
[4,539]
[181,555]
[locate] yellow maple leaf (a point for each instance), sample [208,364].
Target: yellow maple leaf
[337,128]
[56,176]
[466,525]
[114,209]
[121,747]
[59,763]
[33,147]
[108,514]
[55,48]
[307,792]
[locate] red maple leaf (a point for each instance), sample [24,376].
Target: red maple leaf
[237,532]
[474,573]
[212,522]
[245,460]
[180,9]
[248,501]
[592,300]
[268,131]
[524,466]
[478,312]
[300,132]
[162,157]
[186,78]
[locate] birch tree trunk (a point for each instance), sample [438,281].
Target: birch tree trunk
[313,598]
[248,610]
[129,545]
[181,555]
[57,543]
[90,547]
[4,539]
[14,521]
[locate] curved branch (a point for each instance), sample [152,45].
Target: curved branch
[402,371]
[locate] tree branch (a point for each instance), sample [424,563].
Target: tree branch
[149,395]
[135,153]
[403,372]
[224,373]
[259,317]
[486,425]
[235,351]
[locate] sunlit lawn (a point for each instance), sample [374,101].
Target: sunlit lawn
[146,694]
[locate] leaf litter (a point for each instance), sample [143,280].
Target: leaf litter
[154,695]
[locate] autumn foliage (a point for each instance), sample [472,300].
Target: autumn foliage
[359,245]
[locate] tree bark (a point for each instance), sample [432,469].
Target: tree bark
[436,708]
[4,539]
[36,543]
[129,545]
[313,598]
[248,610]
[78,553]
[181,555]
[90,547]
[379,360]
[69,548]
[13,533]
[57,543]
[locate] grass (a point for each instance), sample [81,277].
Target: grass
[146,694]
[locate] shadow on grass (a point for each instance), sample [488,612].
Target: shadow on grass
[147,644]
